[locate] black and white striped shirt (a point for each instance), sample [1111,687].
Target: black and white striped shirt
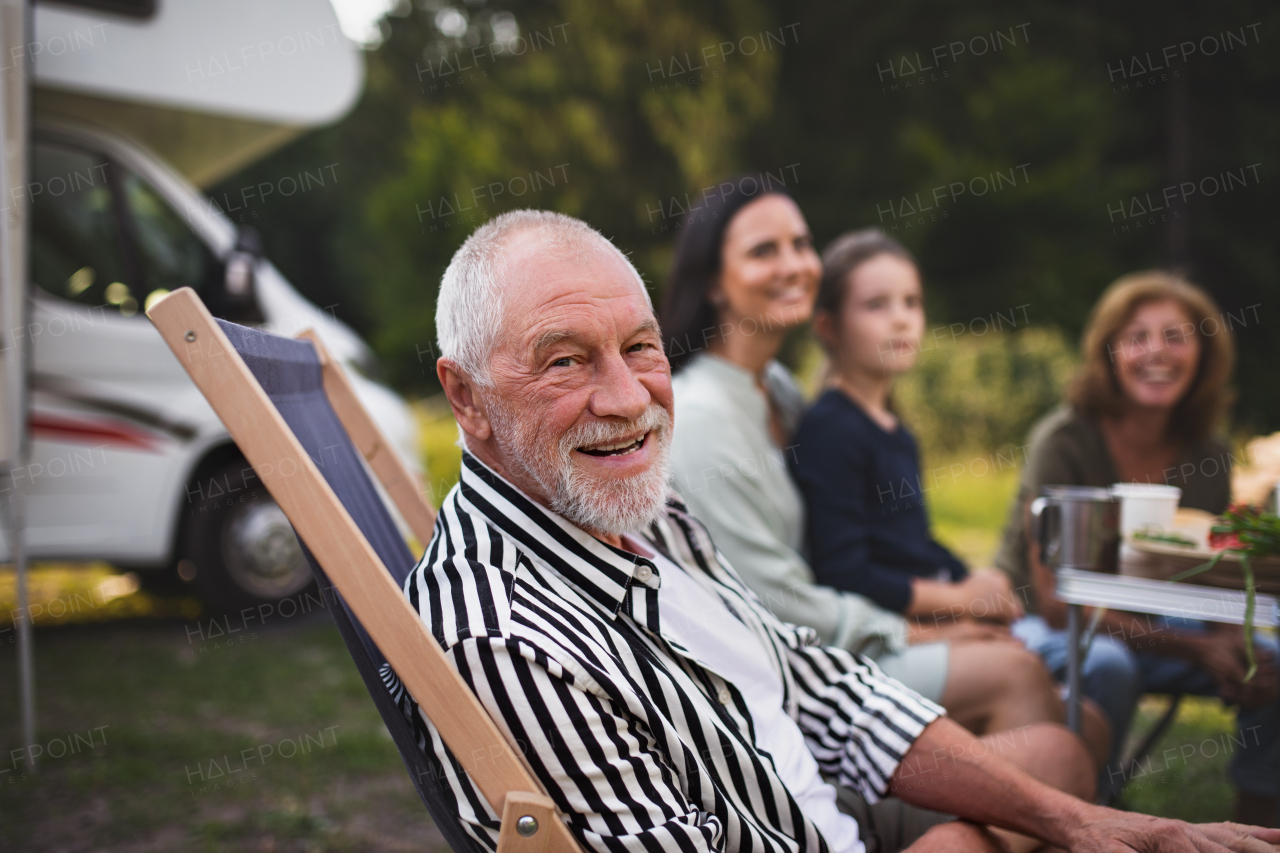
[640,747]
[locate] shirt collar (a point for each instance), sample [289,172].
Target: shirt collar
[603,573]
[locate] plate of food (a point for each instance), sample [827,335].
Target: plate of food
[1192,542]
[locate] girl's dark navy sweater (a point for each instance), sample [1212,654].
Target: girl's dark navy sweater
[866,526]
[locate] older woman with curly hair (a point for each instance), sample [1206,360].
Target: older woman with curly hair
[1143,407]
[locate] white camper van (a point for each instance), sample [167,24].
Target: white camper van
[127,462]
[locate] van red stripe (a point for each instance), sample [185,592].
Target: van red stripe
[62,428]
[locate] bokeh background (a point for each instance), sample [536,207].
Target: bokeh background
[1075,117]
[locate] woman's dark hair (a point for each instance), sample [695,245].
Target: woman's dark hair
[689,321]
[844,255]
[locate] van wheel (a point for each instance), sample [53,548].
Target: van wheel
[238,543]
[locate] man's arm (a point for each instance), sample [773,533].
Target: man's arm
[978,786]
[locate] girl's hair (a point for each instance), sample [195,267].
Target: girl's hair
[1095,391]
[689,321]
[843,256]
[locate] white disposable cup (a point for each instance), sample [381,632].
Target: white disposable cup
[1146,506]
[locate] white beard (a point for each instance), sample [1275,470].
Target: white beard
[610,507]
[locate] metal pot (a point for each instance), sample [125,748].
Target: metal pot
[1078,527]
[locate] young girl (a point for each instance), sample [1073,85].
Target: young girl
[856,463]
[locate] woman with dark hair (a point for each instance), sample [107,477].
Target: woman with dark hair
[1142,408]
[745,274]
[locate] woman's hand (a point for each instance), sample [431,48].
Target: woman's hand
[985,596]
[1220,651]
[957,632]
[991,597]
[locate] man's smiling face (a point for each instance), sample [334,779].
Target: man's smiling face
[580,406]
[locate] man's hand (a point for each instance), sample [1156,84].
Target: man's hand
[1110,831]
[948,770]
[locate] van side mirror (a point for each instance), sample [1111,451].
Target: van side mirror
[239,284]
[235,296]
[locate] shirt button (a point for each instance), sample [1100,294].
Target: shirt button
[724,696]
[644,574]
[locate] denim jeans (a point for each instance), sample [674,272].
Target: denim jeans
[1114,676]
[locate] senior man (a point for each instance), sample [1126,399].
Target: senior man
[662,706]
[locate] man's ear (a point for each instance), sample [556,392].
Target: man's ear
[468,409]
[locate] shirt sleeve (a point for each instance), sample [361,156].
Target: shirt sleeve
[857,722]
[617,788]
[735,513]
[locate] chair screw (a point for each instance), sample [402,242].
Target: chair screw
[190,336]
[526,826]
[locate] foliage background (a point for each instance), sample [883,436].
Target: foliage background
[597,93]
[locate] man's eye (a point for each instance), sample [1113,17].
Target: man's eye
[563,362]
[638,347]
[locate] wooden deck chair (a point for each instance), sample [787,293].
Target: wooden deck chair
[294,416]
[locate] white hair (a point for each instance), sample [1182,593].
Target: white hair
[469,309]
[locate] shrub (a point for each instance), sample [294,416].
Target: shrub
[984,393]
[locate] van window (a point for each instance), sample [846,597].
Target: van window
[102,236]
[77,250]
[169,254]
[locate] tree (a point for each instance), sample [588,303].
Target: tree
[1012,147]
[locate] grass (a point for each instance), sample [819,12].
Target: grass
[968,501]
[267,742]
[155,713]
[1186,774]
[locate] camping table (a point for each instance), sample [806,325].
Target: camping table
[1141,595]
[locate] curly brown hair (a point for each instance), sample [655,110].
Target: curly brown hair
[1094,390]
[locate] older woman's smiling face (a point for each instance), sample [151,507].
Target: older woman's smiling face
[1156,355]
[581,400]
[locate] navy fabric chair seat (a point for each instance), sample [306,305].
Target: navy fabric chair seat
[290,373]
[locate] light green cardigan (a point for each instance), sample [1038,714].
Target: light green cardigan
[735,480]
